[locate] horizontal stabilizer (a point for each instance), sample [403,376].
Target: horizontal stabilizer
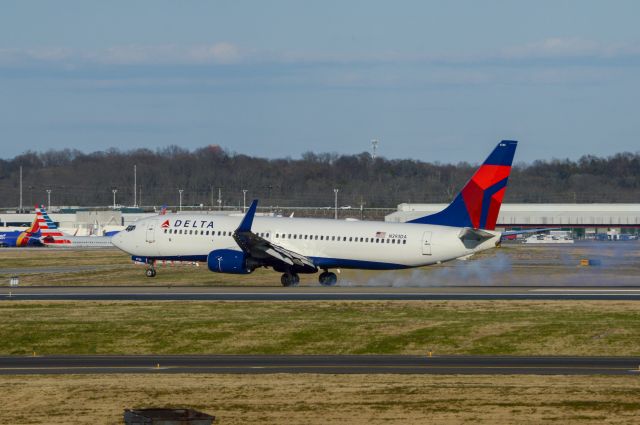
[477,235]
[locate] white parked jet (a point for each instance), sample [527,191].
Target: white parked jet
[51,236]
[303,245]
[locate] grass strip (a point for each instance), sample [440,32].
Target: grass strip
[341,327]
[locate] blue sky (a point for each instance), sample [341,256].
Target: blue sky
[436,81]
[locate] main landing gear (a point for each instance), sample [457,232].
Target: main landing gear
[327,278]
[290,279]
[151,270]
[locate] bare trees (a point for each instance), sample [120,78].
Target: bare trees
[77,178]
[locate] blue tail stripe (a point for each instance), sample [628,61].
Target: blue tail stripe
[454,215]
[486,200]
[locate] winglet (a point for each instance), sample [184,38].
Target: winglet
[247,221]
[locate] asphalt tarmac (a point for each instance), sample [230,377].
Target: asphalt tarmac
[315,293]
[468,365]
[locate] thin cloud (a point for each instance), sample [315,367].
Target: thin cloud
[227,53]
[169,54]
[571,47]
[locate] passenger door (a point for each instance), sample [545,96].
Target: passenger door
[151,232]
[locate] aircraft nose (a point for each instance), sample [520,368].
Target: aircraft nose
[118,240]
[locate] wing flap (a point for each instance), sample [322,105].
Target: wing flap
[275,254]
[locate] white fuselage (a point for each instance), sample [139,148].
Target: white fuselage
[329,243]
[79,242]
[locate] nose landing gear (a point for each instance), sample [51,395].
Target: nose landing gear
[151,269]
[327,278]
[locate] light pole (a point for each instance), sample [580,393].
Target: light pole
[21,188]
[220,198]
[244,200]
[180,192]
[335,192]
[135,186]
[114,198]
[49,199]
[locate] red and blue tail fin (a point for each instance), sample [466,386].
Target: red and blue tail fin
[478,204]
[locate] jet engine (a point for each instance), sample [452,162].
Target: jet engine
[229,261]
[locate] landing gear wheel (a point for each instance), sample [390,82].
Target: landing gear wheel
[328,279]
[150,272]
[290,279]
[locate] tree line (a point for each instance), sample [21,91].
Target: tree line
[89,179]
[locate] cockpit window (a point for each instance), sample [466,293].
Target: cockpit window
[130,228]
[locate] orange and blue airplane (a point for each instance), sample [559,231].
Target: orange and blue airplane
[20,238]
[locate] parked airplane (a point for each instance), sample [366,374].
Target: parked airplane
[298,245]
[20,238]
[52,236]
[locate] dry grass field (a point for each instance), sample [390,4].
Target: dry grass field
[335,327]
[325,399]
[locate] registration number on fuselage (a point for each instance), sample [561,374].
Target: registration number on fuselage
[396,236]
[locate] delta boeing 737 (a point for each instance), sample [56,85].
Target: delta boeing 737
[239,245]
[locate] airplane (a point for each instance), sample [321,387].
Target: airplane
[239,245]
[52,236]
[21,238]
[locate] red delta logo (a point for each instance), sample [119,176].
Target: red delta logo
[165,224]
[484,193]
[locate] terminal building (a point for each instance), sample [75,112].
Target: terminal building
[83,222]
[584,219]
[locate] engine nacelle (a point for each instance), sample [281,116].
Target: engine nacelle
[228,261]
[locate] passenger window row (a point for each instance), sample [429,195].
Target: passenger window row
[291,236]
[205,232]
[340,238]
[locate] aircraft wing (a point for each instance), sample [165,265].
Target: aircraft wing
[266,252]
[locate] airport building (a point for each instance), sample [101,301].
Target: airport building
[583,218]
[586,218]
[83,222]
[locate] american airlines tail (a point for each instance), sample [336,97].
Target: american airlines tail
[478,204]
[50,232]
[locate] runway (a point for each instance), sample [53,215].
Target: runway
[468,365]
[315,293]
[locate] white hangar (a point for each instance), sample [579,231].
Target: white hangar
[594,216]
